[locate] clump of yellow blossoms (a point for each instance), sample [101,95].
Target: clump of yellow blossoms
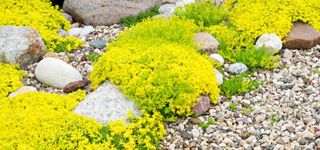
[10,79]
[40,15]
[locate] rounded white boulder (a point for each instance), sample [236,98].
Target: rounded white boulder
[56,72]
[270,41]
[217,57]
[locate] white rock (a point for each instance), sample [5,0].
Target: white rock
[219,76]
[195,133]
[75,32]
[184,2]
[270,41]
[167,9]
[56,72]
[237,68]
[22,90]
[107,103]
[217,57]
[86,30]
[287,54]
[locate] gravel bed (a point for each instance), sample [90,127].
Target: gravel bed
[283,113]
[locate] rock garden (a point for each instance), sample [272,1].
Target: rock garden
[160,74]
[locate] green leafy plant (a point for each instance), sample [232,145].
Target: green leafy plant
[133,20]
[233,106]
[238,85]
[274,119]
[202,13]
[205,125]
[316,71]
[93,57]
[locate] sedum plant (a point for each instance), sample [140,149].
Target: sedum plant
[159,69]
[10,79]
[40,15]
[202,13]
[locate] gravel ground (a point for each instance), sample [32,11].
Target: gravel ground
[283,113]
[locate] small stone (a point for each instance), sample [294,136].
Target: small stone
[195,133]
[186,135]
[302,36]
[167,9]
[287,54]
[202,106]
[195,120]
[237,68]
[73,86]
[219,76]
[22,90]
[206,42]
[56,72]
[98,43]
[68,17]
[270,41]
[217,57]
[184,2]
[55,55]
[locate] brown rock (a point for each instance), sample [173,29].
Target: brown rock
[202,106]
[105,12]
[55,55]
[206,42]
[195,120]
[302,36]
[73,86]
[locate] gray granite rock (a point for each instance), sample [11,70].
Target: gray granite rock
[107,103]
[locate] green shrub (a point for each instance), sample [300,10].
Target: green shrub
[237,85]
[202,13]
[10,79]
[40,15]
[133,20]
[159,68]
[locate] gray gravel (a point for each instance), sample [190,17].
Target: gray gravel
[284,113]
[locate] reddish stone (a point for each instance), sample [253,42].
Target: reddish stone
[73,86]
[302,36]
[202,106]
[195,120]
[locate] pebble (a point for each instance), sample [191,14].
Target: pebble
[237,68]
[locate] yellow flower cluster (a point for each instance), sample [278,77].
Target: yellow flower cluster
[40,15]
[45,121]
[256,17]
[159,68]
[10,79]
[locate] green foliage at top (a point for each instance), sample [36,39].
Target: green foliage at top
[10,79]
[40,15]
[133,20]
[237,85]
[202,13]
[159,68]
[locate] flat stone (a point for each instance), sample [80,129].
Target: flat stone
[107,103]
[302,36]
[98,43]
[105,12]
[22,90]
[202,106]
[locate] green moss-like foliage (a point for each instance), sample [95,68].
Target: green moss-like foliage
[203,14]
[10,79]
[158,68]
[40,15]
[133,20]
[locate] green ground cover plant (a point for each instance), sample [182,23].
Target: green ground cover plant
[133,20]
[160,68]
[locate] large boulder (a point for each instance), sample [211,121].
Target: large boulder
[302,36]
[107,103]
[56,72]
[20,45]
[105,12]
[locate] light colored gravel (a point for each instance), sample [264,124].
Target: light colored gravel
[284,113]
